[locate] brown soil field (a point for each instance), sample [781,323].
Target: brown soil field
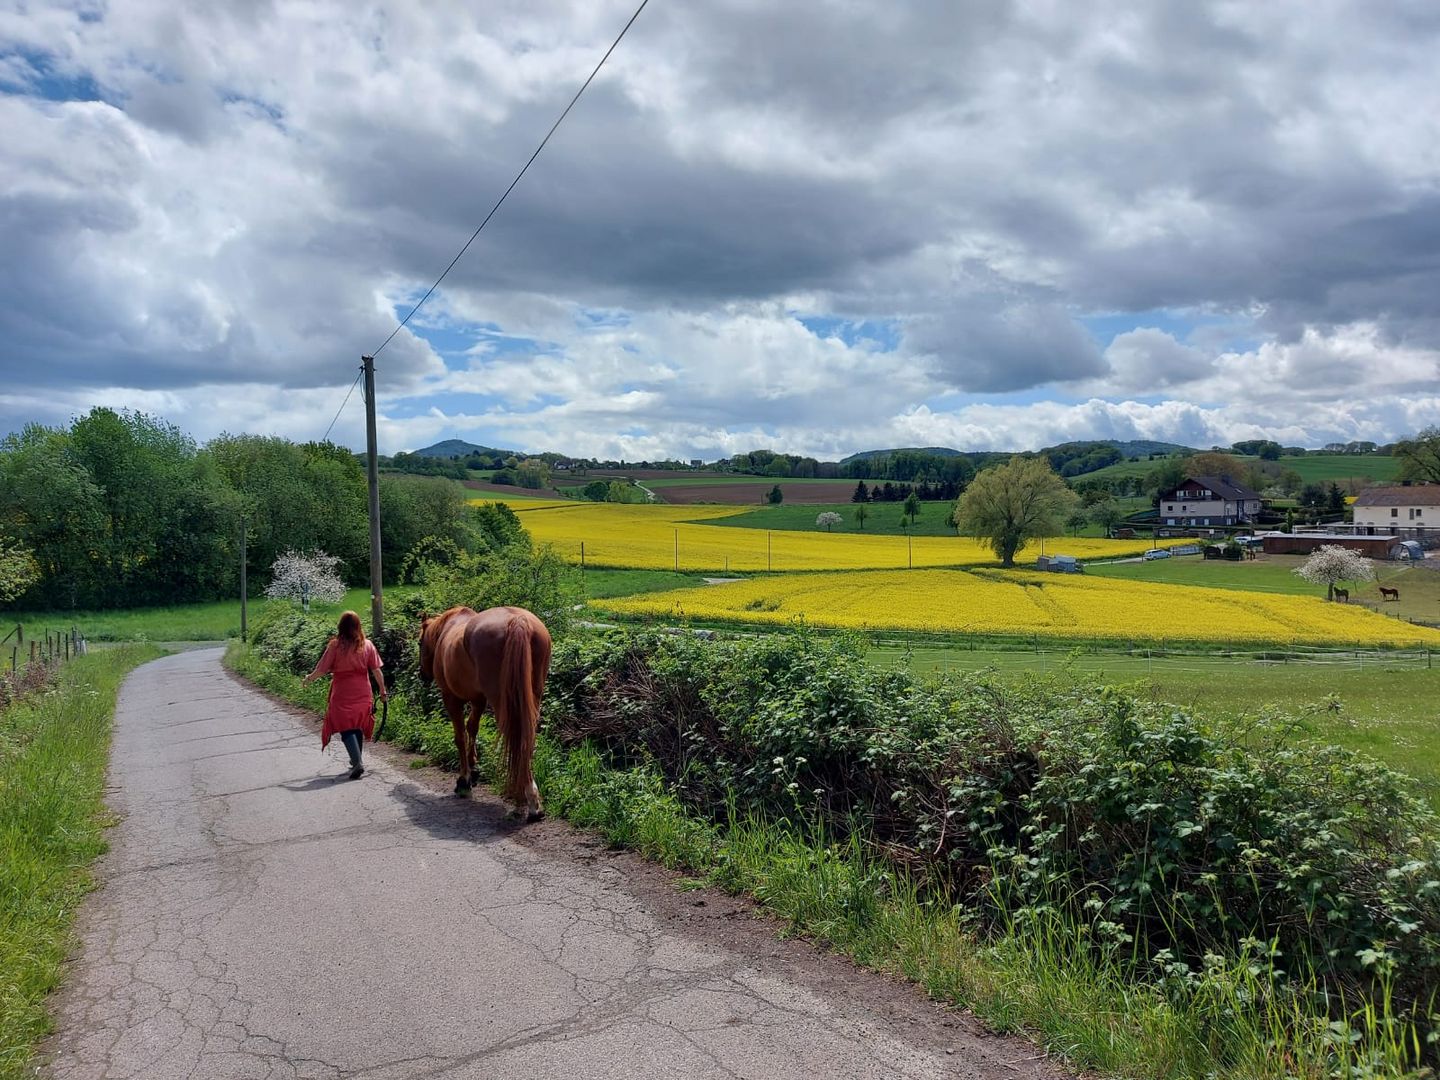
[752,494]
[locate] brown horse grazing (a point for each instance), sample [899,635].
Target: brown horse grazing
[1389,594]
[502,656]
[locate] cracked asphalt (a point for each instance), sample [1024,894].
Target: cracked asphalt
[260,917]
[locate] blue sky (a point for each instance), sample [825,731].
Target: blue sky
[815,229]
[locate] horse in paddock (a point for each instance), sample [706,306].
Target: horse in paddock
[500,656]
[1342,594]
[1387,593]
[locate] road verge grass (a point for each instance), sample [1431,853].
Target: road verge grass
[53,750]
[1035,969]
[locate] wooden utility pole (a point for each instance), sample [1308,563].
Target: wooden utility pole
[244,582]
[377,616]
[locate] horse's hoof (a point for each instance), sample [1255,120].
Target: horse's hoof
[535,815]
[462,789]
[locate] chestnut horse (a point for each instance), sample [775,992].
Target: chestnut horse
[500,656]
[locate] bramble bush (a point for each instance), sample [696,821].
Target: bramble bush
[1170,843]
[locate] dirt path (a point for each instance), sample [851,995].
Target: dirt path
[258,917]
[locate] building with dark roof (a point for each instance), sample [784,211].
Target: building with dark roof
[1209,500]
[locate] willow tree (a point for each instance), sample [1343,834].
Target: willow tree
[1009,504]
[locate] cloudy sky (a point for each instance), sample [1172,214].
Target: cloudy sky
[818,227]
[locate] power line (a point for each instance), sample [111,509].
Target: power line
[338,411]
[518,175]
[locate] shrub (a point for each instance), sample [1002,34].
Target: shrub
[1166,840]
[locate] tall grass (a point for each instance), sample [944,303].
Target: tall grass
[53,750]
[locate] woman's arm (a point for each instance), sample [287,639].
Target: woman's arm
[375,664]
[327,659]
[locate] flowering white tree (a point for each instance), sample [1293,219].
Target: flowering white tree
[305,578]
[828,518]
[1331,564]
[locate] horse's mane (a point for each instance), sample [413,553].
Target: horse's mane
[433,626]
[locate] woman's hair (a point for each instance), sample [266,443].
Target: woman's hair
[350,632]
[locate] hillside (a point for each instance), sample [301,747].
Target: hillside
[456,448]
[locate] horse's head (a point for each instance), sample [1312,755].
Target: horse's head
[427,650]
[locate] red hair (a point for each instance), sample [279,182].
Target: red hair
[350,631]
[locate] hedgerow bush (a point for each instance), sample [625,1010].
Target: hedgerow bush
[1172,843]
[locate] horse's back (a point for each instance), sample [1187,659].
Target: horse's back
[475,646]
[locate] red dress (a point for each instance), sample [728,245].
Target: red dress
[351,706]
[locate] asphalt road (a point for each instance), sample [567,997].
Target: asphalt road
[260,917]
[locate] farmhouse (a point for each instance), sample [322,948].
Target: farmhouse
[1208,500]
[1400,506]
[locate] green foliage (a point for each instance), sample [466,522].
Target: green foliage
[53,748]
[1419,456]
[18,570]
[1012,503]
[1162,838]
[776,496]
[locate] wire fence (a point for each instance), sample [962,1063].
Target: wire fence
[33,659]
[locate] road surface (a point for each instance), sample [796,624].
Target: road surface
[259,916]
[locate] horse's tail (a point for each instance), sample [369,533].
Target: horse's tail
[517,713]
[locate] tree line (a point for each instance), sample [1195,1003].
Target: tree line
[121,509]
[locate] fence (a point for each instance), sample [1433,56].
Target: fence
[32,658]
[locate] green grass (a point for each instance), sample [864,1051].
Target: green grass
[743,478]
[605,584]
[1313,468]
[184,622]
[53,749]
[1387,707]
[883,519]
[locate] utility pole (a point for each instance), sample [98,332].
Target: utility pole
[244,597]
[377,619]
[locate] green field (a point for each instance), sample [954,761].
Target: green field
[1386,707]
[183,622]
[606,584]
[883,519]
[1313,468]
[739,478]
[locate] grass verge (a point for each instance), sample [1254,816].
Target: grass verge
[1038,974]
[53,750]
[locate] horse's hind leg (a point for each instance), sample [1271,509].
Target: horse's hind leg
[472,731]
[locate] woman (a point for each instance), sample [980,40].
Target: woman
[350,659]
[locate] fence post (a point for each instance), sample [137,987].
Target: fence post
[14,659]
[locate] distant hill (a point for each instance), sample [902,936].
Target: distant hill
[938,451]
[1128,448]
[455,448]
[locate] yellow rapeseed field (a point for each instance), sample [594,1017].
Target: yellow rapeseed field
[996,602]
[663,537]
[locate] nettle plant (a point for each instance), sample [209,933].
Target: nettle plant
[302,578]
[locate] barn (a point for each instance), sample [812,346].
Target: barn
[1374,547]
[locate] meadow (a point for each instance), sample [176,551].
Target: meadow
[1023,603]
[1313,468]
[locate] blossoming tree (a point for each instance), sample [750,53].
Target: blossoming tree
[303,578]
[1331,564]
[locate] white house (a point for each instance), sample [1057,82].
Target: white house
[1400,506]
[1208,500]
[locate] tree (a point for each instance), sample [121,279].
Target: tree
[1107,515]
[828,518]
[595,490]
[303,578]
[1335,498]
[776,496]
[18,570]
[861,513]
[1075,522]
[1420,455]
[1012,503]
[912,507]
[862,494]
[1212,463]
[1332,564]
